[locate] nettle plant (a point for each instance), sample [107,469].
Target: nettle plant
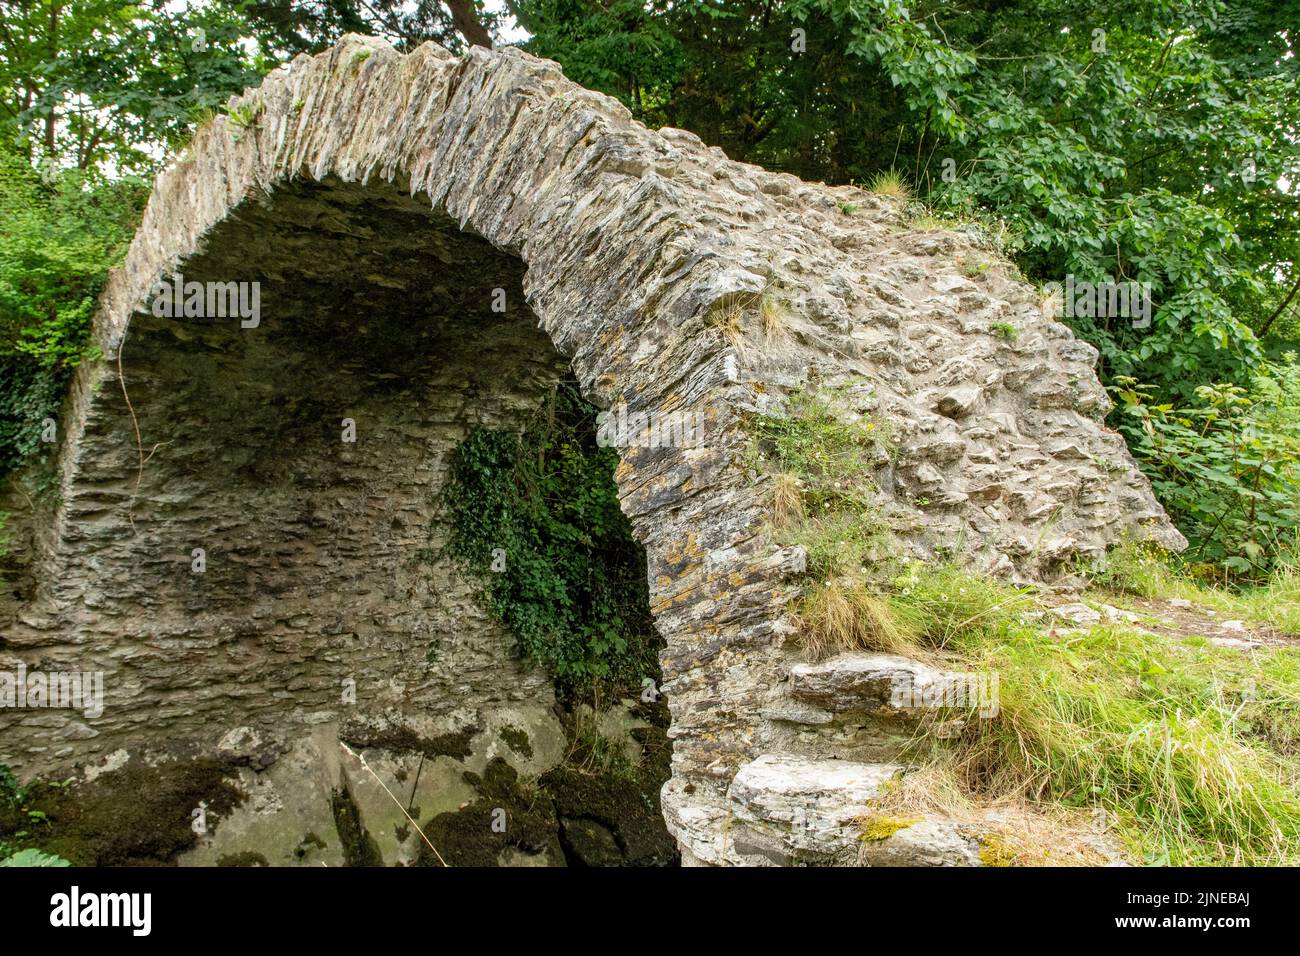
[1226,466]
[534,514]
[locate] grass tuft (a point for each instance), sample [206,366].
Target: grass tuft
[944,602]
[836,617]
[774,319]
[890,183]
[787,501]
[1144,570]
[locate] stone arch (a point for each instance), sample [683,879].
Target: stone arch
[630,241]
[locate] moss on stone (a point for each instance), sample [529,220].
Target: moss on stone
[467,837]
[625,803]
[881,827]
[359,847]
[246,858]
[517,740]
[401,739]
[995,852]
[572,815]
[135,815]
[308,843]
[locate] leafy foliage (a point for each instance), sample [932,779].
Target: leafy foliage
[1138,141]
[58,240]
[33,857]
[1141,142]
[573,591]
[1227,466]
[1151,143]
[111,84]
[11,791]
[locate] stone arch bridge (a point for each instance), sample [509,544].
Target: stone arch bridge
[436,240]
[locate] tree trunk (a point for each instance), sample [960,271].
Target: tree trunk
[466,20]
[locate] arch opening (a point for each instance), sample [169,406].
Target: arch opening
[305,624]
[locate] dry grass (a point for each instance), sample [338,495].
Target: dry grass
[774,319]
[787,501]
[1049,304]
[1012,830]
[728,317]
[836,617]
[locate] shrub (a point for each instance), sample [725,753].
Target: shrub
[57,242]
[1227,467]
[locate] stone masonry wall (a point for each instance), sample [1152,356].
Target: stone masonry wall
[323,558]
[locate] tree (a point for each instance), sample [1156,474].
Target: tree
[308,26]
[102,83]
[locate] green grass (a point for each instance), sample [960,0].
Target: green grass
[1145,571]
[822,457]
[890,183]
[842,544]
[245,115]
[1194,749]
[1149,728]
[943,603]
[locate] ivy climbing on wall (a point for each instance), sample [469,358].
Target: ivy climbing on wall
[533,513]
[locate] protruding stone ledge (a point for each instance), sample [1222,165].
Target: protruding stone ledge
[882,684]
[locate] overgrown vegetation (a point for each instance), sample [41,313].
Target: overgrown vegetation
[1126,141]
[1187,750]
[1226,466]
[21,823]
[819,457]
[1145,571]
[570,580]
[58,239]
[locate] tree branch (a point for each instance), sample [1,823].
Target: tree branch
[466,19]
[1268,323]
